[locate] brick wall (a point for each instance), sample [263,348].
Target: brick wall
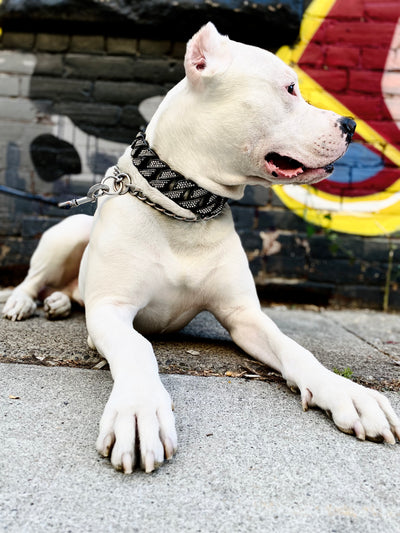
[83,95]
[348,60]
[76,93]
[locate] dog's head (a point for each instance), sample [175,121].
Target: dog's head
[239,118]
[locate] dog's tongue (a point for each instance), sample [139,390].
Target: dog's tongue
[279,165]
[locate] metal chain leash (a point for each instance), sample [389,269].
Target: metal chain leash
[121,184]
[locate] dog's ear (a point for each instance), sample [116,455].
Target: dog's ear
[207,53]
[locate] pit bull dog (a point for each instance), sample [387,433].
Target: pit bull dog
[162,245]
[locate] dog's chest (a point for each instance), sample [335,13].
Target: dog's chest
[180,290]
[171,266]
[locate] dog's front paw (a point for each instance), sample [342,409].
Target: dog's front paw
[19,306]
[57,305]
[137,425]
[355,409]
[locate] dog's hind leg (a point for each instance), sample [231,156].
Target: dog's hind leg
[53,271]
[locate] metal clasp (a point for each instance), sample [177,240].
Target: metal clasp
[121,185]
[95,191]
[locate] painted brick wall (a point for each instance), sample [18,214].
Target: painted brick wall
[348,60]
[73,95]
[84,96]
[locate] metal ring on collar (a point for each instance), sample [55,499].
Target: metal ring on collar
[121,182]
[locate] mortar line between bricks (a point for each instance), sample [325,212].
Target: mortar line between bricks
[394,358]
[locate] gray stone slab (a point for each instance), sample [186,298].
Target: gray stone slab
[11,130]
[204,347]
[327,338]
[48,64]
[380,330]
[120,93]
[249,461]
[336,346]
[41,341]
[88,66]
[17,109]
[46,87]
[9,85]
[13,62]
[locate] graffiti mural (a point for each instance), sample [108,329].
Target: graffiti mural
[71,102]
[348,60]
[48,150]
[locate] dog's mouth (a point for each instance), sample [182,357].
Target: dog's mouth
[281,166]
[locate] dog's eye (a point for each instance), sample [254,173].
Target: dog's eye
[290,88]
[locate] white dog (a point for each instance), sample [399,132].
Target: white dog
[236,119]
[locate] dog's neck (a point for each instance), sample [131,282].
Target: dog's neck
[184,192]
[187,138]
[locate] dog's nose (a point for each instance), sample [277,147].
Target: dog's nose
[348,126]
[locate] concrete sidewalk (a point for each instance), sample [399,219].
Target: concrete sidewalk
[249,459]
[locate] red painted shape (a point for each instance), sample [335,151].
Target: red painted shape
[369,107]
[342,56]
[381,10]
[315,55]
[337,79]
[357,33]
[365,81]
[381,181]
[371,58]
[352,9]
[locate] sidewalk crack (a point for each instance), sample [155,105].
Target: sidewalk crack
[395,359]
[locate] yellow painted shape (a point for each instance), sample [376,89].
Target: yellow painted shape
[383,222]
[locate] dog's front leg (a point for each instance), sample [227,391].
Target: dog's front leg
[354,408]
[138,415]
